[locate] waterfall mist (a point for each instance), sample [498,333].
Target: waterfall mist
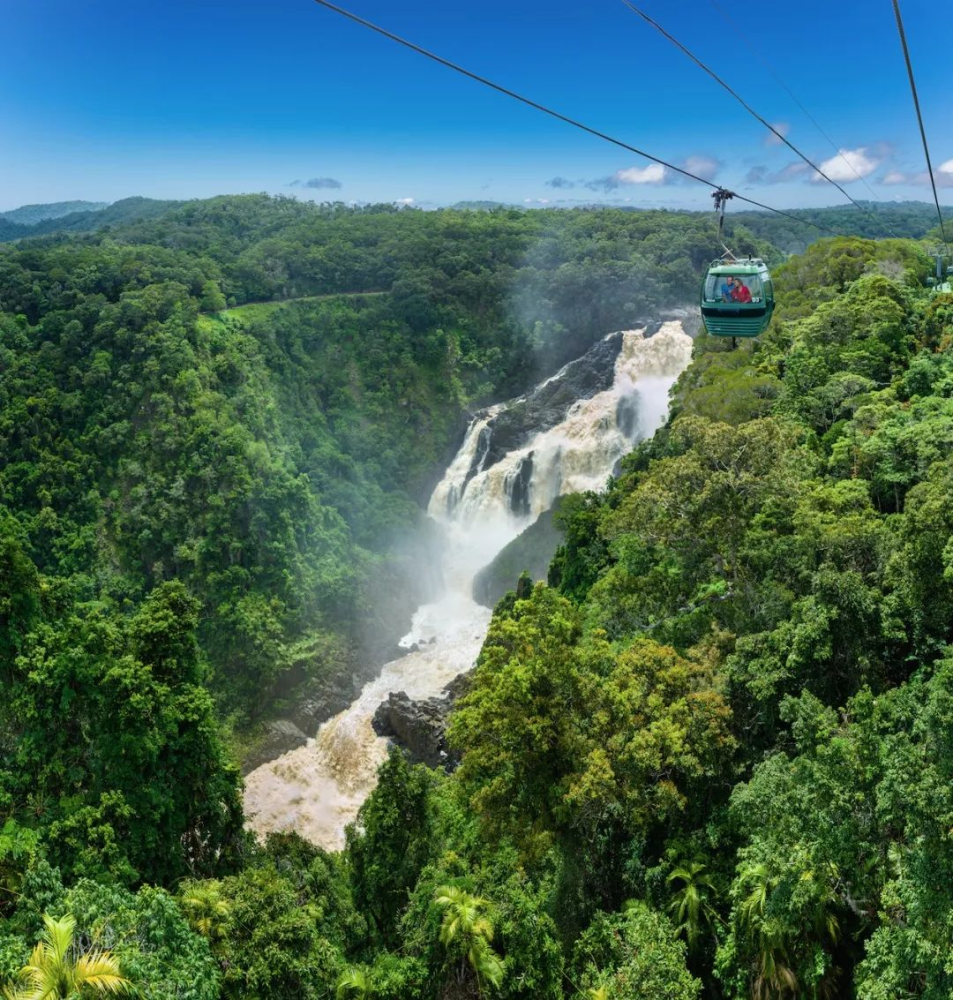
[488,495]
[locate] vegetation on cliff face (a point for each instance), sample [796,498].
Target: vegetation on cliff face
[711,758]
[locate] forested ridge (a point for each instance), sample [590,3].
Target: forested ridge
[711,756]
[874,219]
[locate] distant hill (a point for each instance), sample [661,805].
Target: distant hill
[30,215]
[127,210]
[118,213]
[874,220]
[788,233]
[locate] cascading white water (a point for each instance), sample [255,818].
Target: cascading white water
[318,789]
[580,452]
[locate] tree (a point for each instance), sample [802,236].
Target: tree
[573,739]
[634,955]
[137,773]
[466,931]
[19,594]
[206,910]
[772,975]
[212,299]
[277,946]
[391,841]
[690,906]
[54,973]
[18,848]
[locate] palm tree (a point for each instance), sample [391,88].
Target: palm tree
[756,878]
[467,929]
[355,984]
[54,973]
[207,912]
[773,975]
[690,904]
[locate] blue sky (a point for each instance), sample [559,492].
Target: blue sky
[190,98]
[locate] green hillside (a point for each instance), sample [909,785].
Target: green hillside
[29,215]
[82,220]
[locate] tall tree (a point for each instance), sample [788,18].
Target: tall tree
[467,932]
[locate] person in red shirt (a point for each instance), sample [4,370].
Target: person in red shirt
[741,292]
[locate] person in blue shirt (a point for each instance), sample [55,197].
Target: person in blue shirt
[727,289]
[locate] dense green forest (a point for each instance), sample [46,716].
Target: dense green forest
[911,219]
[712,757]
[151,434]
[870,219]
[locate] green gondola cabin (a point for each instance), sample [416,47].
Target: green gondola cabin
[737,298]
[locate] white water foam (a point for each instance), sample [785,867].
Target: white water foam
[318,789]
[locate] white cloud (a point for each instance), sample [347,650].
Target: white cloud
[782,128]
[848,165]
[654,173]
[705,166]
[943,176]
[405,201]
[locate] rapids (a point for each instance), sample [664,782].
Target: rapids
[318,789]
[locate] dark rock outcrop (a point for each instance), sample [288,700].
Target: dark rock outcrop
[548,404]
[517,487]
[320,700]
[532,550]
[420,727]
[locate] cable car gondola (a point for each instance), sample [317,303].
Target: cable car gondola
[737,297]
[937,284]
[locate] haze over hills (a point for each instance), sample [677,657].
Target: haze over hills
[54,219]
[28,215]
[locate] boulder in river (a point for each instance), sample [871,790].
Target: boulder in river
[420,727]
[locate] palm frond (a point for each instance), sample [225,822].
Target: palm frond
[57,935]
[100,971]
[355,982]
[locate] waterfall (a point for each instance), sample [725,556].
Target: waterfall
[485,499]
[575,455]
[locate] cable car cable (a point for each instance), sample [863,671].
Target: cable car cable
[916,104]
[556,114]
[691,55]
[807,114]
